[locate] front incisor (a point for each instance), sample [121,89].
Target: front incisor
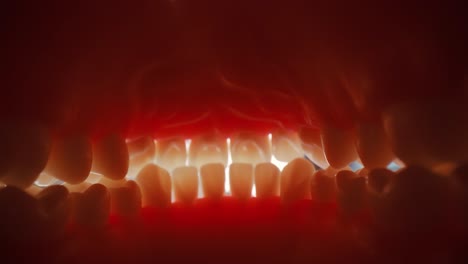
[212,178]
[241,180]
[267,180]
[155,183]
[185,184]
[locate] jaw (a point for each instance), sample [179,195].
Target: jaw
[337,84]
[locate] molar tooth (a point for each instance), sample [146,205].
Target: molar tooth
[379,178]
[171,153]
[251,148]
[241,180]
[267,180]
[312,146]
[373,146]
[207,149]
[70,159]
[54,201]
[295,180]
[426,135]
[110,157]
[142,151]
[212,179]
[185,184]
[25,149]
[155,184]
[323,186]
[286,145]
[93,206]
[126,200]
[338,145]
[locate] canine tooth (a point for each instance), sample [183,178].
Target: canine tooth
[323,187]
[25,149]
[207,149]
[312,146]
[185,184]
[171,153]
[267,180]
[373,146]
[126,200]
[338,146]
[93,206]
[286,145]
[212,179]
[378,179]
[70,159]
[54,201]
[426,135]
[295,180]
[250,148]
[155,184]
[110,157]
[241,180]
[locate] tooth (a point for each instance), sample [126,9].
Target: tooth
[142,151]
[22,221]
[364,172]
[241,180]
[185,184]
[338,145]
[352,190]
[126,200]
[267,180]
[250,148]
[295,180]
[70,159]
[312,146]
[155,184]
[25,149]
[45,180]
[286,146]
[171,153]
[212,179]
[79,188]
[54,201]
[426,135]
[208,149]
[323,187]
[373,146]
[378,179]
[93,206]
[110,157]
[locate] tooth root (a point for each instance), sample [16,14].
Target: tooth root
[126,200]
[70,159]
[323,187]
[425,135]
[312,146]
[295,180]
[213,179]
[93,206]
[250,148]
[110,157]
[338,146]
[378,179]
[142,151]
[155,184]
[54,201]
[241,180]
[208,149]
[286,145]
[267,180]
[26,149]
[171,153]
[185,184]
[373,146]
